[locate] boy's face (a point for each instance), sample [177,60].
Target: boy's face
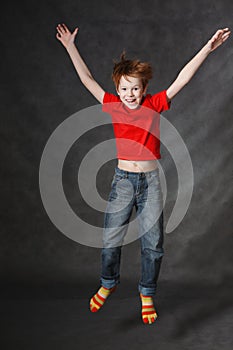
[131,91]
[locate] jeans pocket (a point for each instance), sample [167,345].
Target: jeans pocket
[116,178]
[154,188]
[154,179]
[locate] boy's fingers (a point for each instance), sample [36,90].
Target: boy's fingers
[65,27]
[58,37]
[61,28]
[226,34]
[222,31]
[226,37]
[59,31]
[218,32]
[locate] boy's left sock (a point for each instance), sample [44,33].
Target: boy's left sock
[149,314]
[98,300]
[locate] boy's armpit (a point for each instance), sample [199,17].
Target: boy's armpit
[168,99]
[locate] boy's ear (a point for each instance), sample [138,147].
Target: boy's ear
[145,89]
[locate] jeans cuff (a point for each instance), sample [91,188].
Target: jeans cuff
[109,283]
[149,291]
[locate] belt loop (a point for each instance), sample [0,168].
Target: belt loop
[126,174]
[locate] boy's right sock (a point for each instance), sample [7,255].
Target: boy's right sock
[149,314]
[98,300]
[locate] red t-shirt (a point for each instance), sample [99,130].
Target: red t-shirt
[137,130]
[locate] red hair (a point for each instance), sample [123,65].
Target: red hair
[134,68]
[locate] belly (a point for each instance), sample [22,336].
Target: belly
[137,166]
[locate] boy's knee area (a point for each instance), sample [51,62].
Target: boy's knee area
[158,252]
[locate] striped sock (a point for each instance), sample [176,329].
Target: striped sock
[98,300]
[148,311]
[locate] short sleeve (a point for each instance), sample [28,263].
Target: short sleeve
[108,97]
[107,100]
[159,101]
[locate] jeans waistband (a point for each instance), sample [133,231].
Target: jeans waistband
[126,173]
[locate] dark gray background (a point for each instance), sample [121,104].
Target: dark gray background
[42,271]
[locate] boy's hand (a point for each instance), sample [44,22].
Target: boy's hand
[64,35]
[218,38]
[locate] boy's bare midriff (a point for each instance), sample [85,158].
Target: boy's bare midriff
[137,166]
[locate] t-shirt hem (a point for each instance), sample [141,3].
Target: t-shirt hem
[138,159]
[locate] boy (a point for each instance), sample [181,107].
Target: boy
[134,165]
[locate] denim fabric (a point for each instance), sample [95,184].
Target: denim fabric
[142,190]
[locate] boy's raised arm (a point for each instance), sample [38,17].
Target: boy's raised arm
[67,39]
[192,66]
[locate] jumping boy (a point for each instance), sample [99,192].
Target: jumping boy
[131,80]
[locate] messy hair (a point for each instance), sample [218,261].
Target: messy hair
[134,68]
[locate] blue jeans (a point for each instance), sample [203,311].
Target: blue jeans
[142,190]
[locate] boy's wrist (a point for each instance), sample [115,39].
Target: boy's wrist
[207,48]
[70,46]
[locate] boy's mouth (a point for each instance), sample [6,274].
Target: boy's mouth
[130,100]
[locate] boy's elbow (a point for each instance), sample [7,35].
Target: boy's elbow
[87,80]
[183,79]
